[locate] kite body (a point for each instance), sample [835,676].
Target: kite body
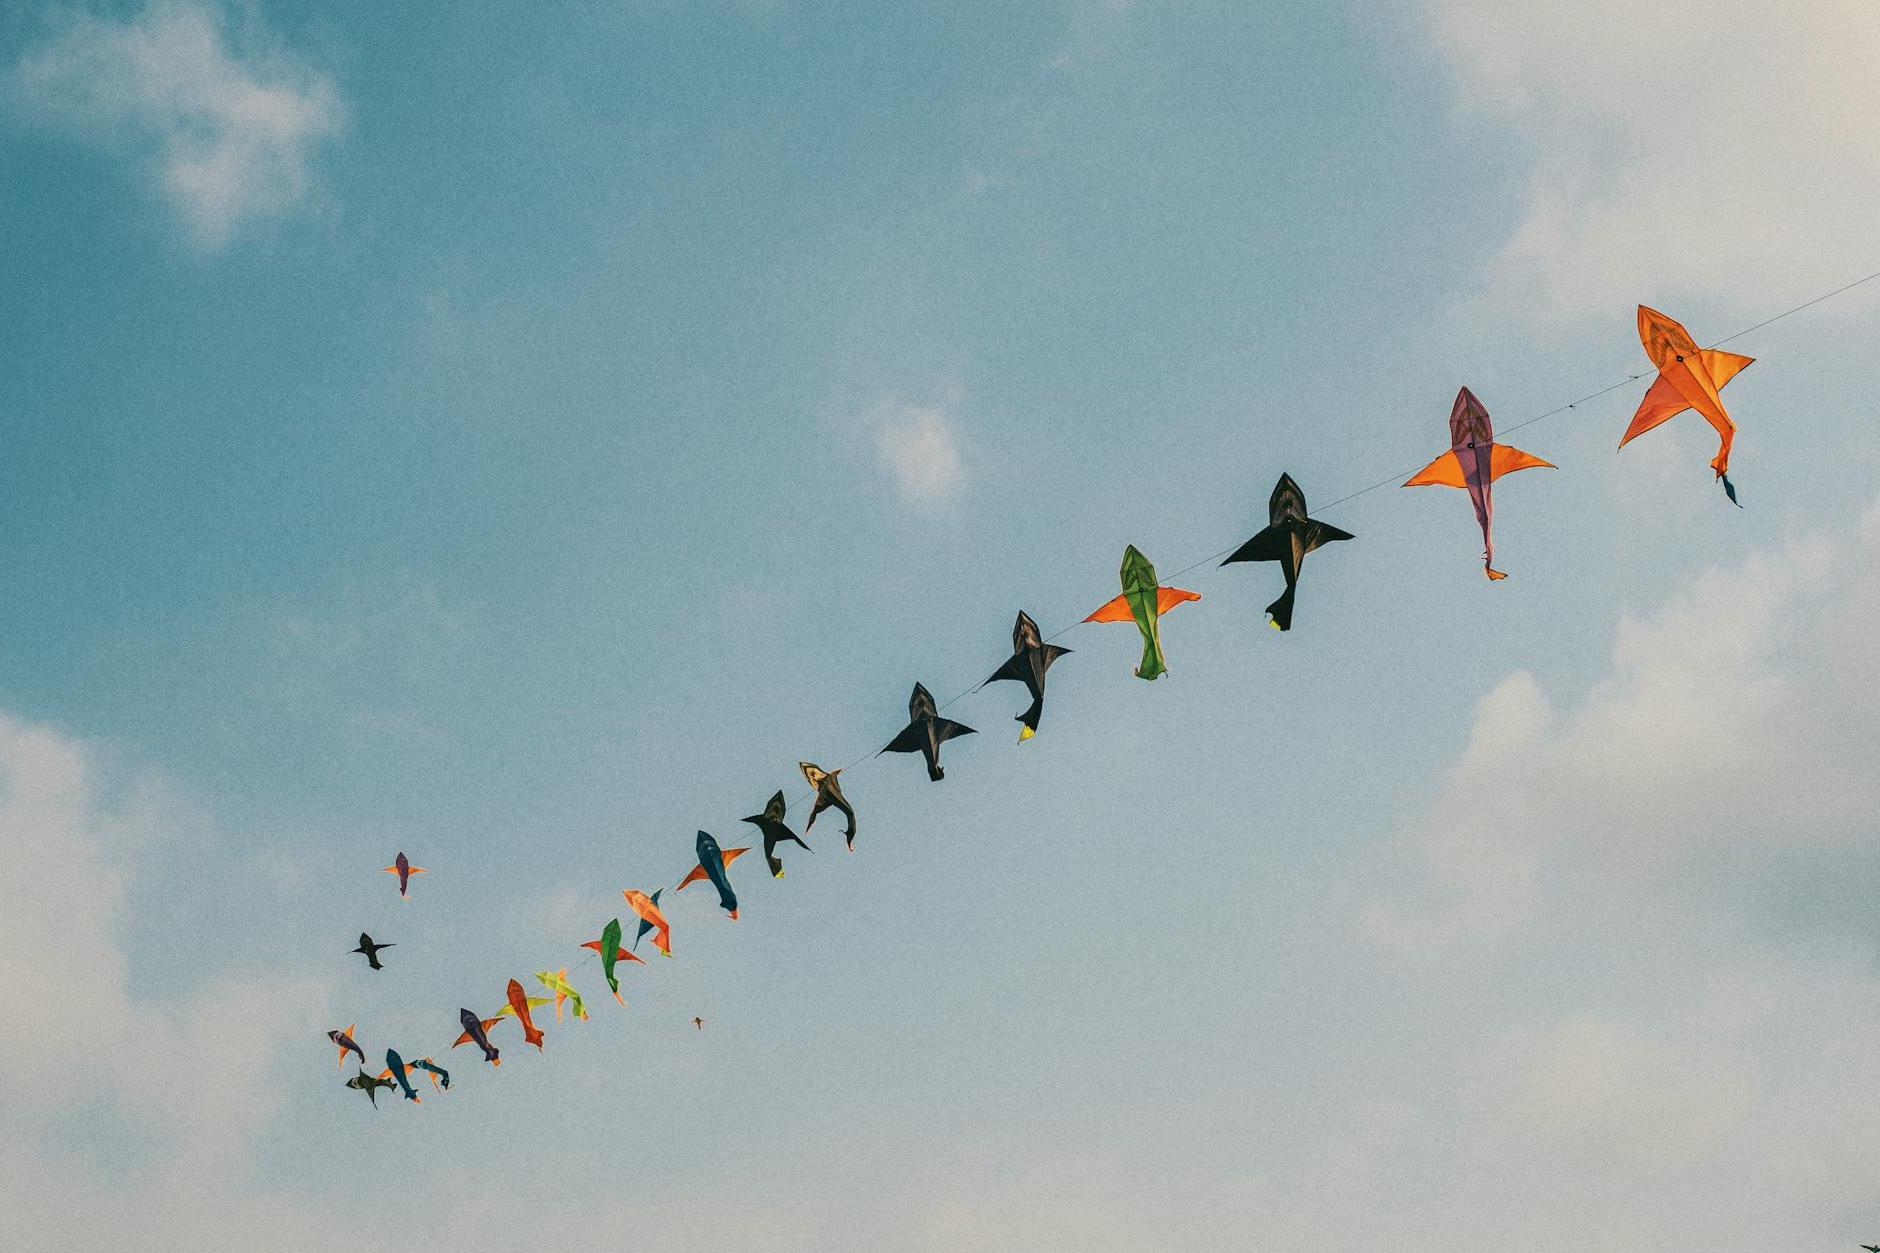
[926,731]
[643,905]
[771,823]
[362,1082]
[440,1078]
[402,867]
[371,950]
[828,796]
[556,981]
[1031,657]
[344,1039]
[519,1005]
[608,946]
[1689,377]
[395,1071]
[1474,461]
[477,1031]
[713,864]
[1289,536]
[645,926]
[1143,602]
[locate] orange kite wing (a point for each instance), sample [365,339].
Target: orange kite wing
[1662,403]
[1114,611]
[1166,598]
[1505,460]
[1724,366]
[692,876]
[1445,471]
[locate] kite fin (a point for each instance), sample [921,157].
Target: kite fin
[1014,669]
[1660,404]
[1166,598]
[693,875]
[1723,366]
[1280,611]
[1445,471]
[1729,489]
[1318,533]
[908,741]
[1029,719]
[1503,459]
[944,729]
[1272,544]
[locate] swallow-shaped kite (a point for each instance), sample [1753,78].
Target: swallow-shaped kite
[770,822]
[608,946]
[520,1003]
[828,796]
[1289,536]
[395,1071]
[440,1078]
[344,1039]
[402,867]
[925,732]
[642,904]
[477,1031]
[371,950]
[556,981]
[1031,657]
[713,863]
[1689,377]
[1143,602]
[645,925]
[1474,461]
[362,1082]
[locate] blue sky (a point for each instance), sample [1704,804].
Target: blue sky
[518,438]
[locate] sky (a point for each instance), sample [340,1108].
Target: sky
[519,435]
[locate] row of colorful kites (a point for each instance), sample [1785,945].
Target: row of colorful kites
[1689,377]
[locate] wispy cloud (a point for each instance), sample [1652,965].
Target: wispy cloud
[225,120]
[921,448]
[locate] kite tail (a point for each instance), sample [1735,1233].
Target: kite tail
[934,775]
[1729,488]
[1030,719]
[1280,611]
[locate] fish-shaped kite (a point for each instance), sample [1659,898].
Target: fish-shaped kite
[925,732]
[828,796]
[770,822]
[1031,657]
[362,1082]
[608,946]
[477,1031]
[440,1078]
[371,950]
[402,867]
[344,1039]
[713,863]
[556,981]
[395,1071]
[1289,536]
[1474,461]
[1689,377]
[520,1003]
[642,904]
[1143,601]
[645,925]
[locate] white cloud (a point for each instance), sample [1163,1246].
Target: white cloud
[228,126]
[919,445]
[1715,147]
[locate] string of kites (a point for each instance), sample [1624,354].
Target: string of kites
[1689,378]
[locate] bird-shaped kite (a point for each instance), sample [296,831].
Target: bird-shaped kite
[1289,536]
[395,1071]
[362,1082]
[642,904]
[344,1039]
[828,796]
[1474,461]
[402,867]
[556,981]
[1143,602]
[520,1003]
[1689,377]
[371,950]
[608,946]
[639,932]
[477,1030]
[699,1023]
[713,864]
[925,732]
[1031,657]
[440,1078]
[770,822]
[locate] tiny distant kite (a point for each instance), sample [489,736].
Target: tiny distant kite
[641,904]
[1031,657]
[395,1071]
[402,867]
[770,822]
[925,732]
[520,1003]
[1474,461]
[344,1039]
[713,863]
[440,1078]
[645,926]
[1143,601]
[477,1031]
[371,950]
[828,796]
[362,1082]
[1289,536]
[700,1024]
[1689,377]
[556,981]
[608,946]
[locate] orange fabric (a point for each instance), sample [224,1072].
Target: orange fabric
[691,876]
[643,905]
[1505,460]
[1166,598]
[1445,471]
[1662,403]
[1115,611]
[1724,366]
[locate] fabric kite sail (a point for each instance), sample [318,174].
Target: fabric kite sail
[1474,461]
[1030,658]
[608,946]
[771,823]
[1143,602]
[402,867]
[645,926]
[556,981]
[925,732]
[1289,536]
[1689,377]
[828,796]
[643,905]
[714,863]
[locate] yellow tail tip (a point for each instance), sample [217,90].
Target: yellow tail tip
[1025,733]
[1274,623]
